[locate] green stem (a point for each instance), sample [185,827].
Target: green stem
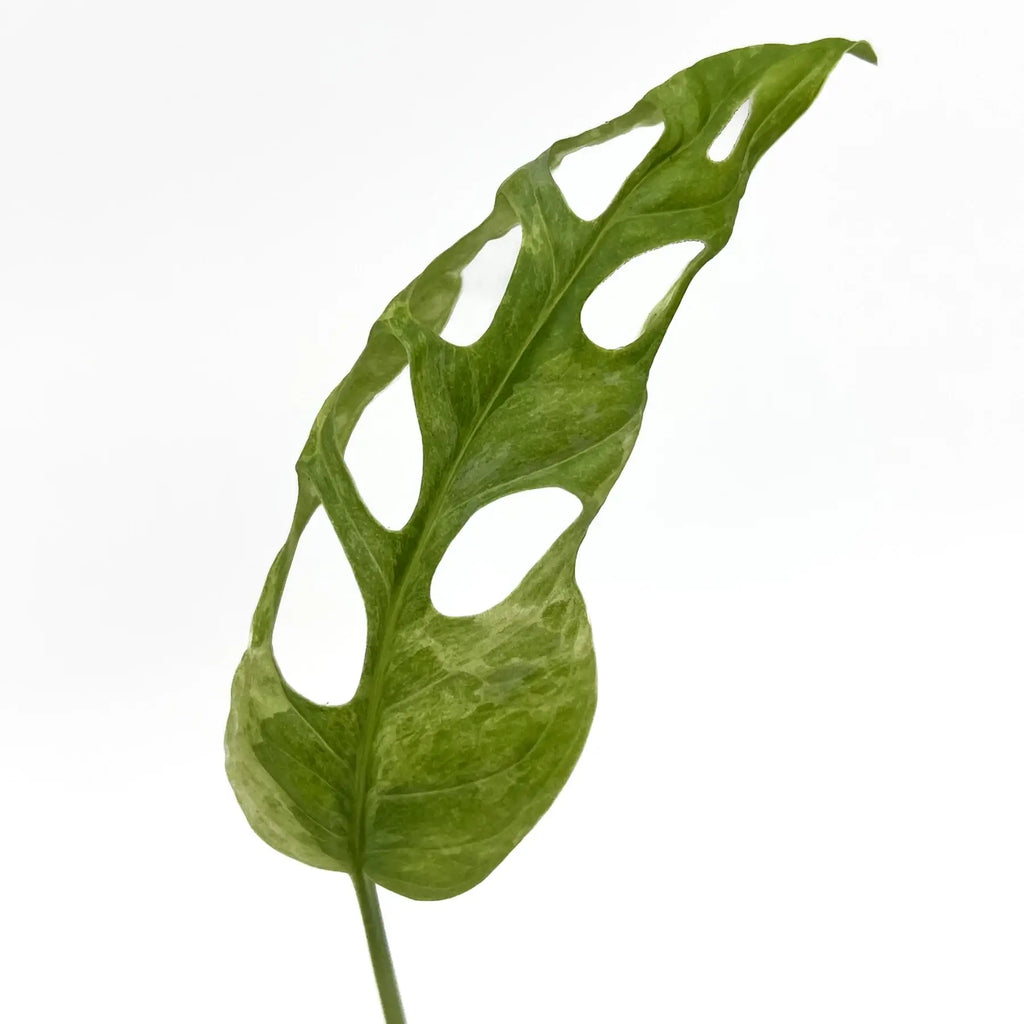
[377,940]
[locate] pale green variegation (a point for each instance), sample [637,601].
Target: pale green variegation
[463,730]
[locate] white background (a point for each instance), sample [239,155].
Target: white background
[802,797]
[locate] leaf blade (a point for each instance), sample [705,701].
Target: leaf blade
[463,730]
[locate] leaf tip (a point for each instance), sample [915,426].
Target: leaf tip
[864,50]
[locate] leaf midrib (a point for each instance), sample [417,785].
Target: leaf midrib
[609,217]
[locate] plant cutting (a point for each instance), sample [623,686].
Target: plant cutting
[463,729]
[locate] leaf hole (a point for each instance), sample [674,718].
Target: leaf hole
[498,546]
[615,311]
[484,283]
[320,636]
[590,177]
[725,141]
[385,454]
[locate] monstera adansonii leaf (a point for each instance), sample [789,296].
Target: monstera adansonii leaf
[463,729]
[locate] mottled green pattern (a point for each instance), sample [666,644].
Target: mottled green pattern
[463,730]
